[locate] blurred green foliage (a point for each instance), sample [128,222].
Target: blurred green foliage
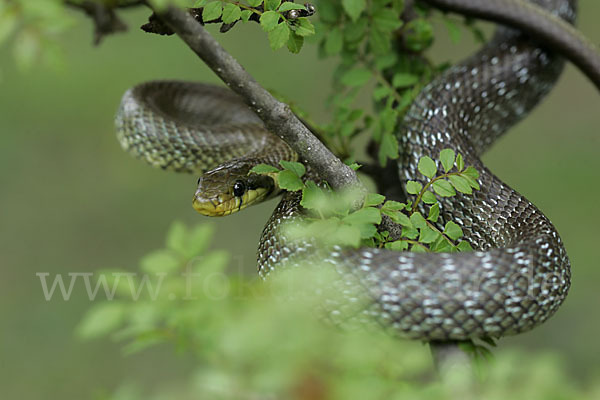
[72,201]
[262,340]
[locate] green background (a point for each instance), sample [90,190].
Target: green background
[72,201]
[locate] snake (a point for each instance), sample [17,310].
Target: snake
[518,274]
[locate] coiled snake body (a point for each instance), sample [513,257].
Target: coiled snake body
[519,274]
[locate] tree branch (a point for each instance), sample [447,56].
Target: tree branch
[277,116]
[105,19]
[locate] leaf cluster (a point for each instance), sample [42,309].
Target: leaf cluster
[256,342]
[332,220]
[365,37]
[275,17]
[154,305]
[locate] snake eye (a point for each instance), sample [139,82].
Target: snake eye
[199,179]
[239,188]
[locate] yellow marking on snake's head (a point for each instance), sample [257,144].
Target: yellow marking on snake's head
[225,191]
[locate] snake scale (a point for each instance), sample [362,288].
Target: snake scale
[519,273]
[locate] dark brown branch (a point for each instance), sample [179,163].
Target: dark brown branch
[277,116]
[156,25]
[105,19]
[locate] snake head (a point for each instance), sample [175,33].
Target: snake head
[230,188]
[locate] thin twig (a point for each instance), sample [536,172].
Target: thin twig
[277,116]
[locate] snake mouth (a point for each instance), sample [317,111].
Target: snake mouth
[226,204]
[211,209]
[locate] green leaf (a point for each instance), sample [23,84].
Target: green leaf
[264,169]
[401,80]
[386,61]
[373,199]
[289,180]
[329,12]
[246,15]
[346,235]
[279,36]
[434,212]
[388,119]
[460,163]
[418,249]
[380,41]
[269,21]
[381,236]
[442,246]
[101,319]
[398,245]
[347,129]
[428,235]
[380,92]
[160,261]
[304,27]
[334,42]
[296,167]
[212,11]
[471,175]
[410,232]
[386,21]
[354,32]
[354,8]
[472,182]
[287,6]
[231,13]
[464,246]
[367,231]
[356,77]
[295,43]
[418,35]
[443,188]
[427,167]
[313,197]
[447,159]
[413,187]
[188,243]
[388,148]
[453,30]
[402,219]
[472,172]
[177,237]
[417,220]
[392,206]
[461,184]
[198,240]
[453,231]
[429,198]
[272,4]
[355,115]
[368,215]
